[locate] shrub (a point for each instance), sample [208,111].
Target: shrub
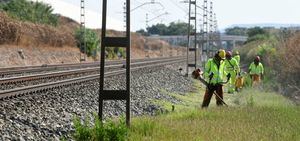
[109,131]
[92,41]
[287,65]
[36,12]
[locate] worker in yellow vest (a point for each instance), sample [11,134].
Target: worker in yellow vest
[232,67]
[256,71]
[237,57]
[214,74]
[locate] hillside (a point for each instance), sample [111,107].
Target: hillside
[25,43]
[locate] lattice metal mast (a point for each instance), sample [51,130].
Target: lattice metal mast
[217,33]
[147,21]
[204,32]
[192,17]
[211,31]
[124,15]
[82,30]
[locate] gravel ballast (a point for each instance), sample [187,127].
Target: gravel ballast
[49,115]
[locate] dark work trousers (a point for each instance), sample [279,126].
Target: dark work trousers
[209,92]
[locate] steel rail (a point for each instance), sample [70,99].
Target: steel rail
[59,84]
[30,69]
[11,80]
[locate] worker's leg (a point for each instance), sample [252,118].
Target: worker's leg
[219,92]
[256,80]
[253,80]
[207,97]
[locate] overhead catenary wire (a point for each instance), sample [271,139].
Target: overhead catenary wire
[146,3]
[184,10]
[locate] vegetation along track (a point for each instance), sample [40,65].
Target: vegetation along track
[19,91]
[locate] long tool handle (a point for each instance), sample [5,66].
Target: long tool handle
[206,84]
[220,99]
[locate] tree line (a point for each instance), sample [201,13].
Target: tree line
[174,28]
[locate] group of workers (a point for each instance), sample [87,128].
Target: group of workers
[226,65]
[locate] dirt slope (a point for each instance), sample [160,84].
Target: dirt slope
[25,43]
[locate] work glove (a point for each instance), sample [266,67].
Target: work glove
[210,87]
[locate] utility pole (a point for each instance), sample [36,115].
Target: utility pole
[124,42]
[211,32]
[124,15]
[217,33]
[147,21]
[192,17]
[204,34]
[82,30]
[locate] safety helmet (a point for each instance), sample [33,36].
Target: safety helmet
[257,59]
[222,54]
[236,53]
[228,54]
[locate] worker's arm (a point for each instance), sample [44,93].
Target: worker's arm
[250,67]
[237,67]
[262,71]
[207,69]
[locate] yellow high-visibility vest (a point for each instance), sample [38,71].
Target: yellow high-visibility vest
[256,69]
[232,65]
[219,73]
[237,58]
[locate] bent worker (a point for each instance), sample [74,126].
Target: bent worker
[237,57]
[214,72]
[256,71]
[232,67]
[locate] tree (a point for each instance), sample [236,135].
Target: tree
[36,12]
[256,31]
[160,29]
[143,32]
[174,28]
[239,31]
[179,28]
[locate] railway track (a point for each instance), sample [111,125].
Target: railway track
[19,91]
[17,71]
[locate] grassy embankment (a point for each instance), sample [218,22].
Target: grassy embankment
[251,115]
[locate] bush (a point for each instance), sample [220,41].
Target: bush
[110,131]
[36,12]
[256,31]
[92,41]
[258,37]
[280,57]
[288,65]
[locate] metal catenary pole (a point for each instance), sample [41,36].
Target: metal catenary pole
[211,40]
[204,34]
[192,33]
[82,30]
[115,42]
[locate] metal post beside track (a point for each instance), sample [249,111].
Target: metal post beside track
[115,42]
[205,35]
[192,33]
[82,31]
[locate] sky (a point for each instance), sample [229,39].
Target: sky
[229,12]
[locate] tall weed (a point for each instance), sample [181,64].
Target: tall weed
[109,131]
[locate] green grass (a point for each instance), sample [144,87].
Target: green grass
[251,115]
